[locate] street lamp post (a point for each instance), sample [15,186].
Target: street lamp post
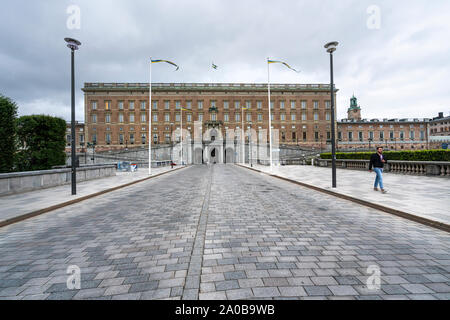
[250,144]
[331,47]
[73,45]
[171,142]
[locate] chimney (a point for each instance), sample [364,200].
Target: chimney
[441,115]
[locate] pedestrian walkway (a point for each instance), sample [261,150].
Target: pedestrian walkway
[18,205]
[222,232]
[426,197]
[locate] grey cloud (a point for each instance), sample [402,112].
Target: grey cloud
[119,36]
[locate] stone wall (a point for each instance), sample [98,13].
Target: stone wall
[18,182]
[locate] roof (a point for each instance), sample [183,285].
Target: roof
[99,86]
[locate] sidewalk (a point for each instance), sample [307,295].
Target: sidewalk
[426,197]
[17,205]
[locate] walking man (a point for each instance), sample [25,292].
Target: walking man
[377,161]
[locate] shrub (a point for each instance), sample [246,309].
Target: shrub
[42,142]
[8,144]
[407,155]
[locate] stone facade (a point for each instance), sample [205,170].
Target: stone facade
[116,114]
[79,136]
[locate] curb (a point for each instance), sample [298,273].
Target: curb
[406,215]
[70,202]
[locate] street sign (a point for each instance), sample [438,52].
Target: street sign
[445,146]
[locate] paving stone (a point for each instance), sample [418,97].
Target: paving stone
[317,290]
[296,291]
[89,293]
[342,290]
[239,294]
[394,289]
[226,285]
[415,288]
[235,275]
[266,292]
[219,295]
[168,283]
[324,281]
[116,290]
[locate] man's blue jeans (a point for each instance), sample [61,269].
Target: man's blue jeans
[379,178]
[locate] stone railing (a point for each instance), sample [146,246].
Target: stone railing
[431,168]
[18,182]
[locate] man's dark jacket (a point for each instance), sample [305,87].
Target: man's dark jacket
[375,161]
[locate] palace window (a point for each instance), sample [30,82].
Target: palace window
[293,117]
[259,104]
[131,105]
[316,116]
[281,104]
[292,104]
[316,104]
[120,105]
[155,117]
[142,105]
[249,117]
[155,105]
[226,104]
[166,104]
[167,117]
[94,105]
[303,104]
[200,105]
[108,118]
[94,118]
[107,105]
[226,117]
[142,117]
[121,117]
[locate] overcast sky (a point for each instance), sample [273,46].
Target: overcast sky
[397,66]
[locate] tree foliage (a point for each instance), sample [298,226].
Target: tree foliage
[41,142]
[8,145]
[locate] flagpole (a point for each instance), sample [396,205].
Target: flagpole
[270,116]
[150,122]
[181,114]
[242,134]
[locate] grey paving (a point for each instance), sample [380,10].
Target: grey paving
[222,232]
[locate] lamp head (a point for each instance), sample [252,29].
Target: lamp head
[72,43]
[331,46]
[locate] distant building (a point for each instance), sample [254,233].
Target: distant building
[79,136]
[440,130]
[356,133]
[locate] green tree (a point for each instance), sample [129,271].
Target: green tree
[42,142]
[8,145]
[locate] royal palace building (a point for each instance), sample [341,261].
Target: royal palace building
[116,114]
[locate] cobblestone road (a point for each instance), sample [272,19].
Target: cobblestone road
[221,232]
